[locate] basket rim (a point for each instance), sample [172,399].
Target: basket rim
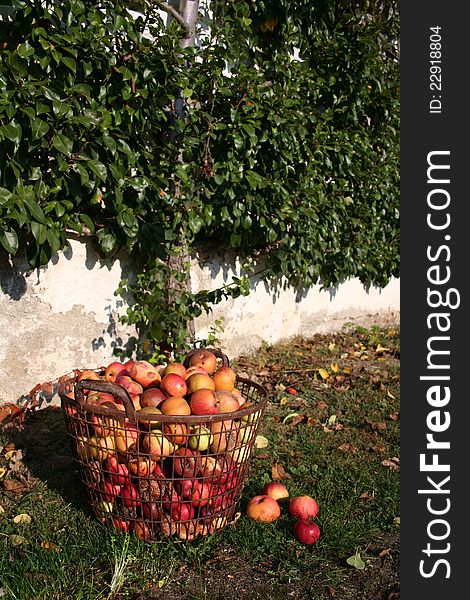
[258,405]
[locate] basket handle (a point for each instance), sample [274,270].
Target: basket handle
[106,387]
[216,351]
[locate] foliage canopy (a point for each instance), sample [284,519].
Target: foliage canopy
[287,149]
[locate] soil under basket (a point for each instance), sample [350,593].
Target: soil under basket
[160,475]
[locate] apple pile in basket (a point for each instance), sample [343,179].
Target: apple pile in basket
[165,460]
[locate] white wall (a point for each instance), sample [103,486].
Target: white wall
[66,316]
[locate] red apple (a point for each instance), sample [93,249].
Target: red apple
[228,401]
[200,494]
[151,511]
[204,358]
[183,511]
[186,462]
[121,524]
[109,490]
[303,507]
[175,367]
[204,402]
[307,532]
[144,373]
[130,495]
[152,397]
[276,490]
[113,370]
[118,472]
[173,385]
[134,388]
[263,508]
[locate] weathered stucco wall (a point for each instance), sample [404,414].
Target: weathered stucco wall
[66,316]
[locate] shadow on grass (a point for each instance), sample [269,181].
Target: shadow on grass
[48,456]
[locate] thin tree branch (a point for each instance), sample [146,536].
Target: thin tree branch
[171,10]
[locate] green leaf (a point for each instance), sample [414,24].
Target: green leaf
[9,240]
[62,143]
[12,131]
[356,561]
[39,128]
[5,195]
[98,169]
[70,63]
[39,231]
[35,210]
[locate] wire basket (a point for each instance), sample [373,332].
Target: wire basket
[160,475]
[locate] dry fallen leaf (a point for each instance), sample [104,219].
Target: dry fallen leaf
[22,519]
[278,472]
[334,367]
[261,442]
[283,401]
[321,405]
[393,464]
[14,486]
[385,552]
[348,447]
[365,497]
[50,546]
[323,373]
[17,540]
[395,416]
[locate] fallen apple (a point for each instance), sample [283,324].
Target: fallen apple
[303,507]
[307,531]
[276,490]
[263,508]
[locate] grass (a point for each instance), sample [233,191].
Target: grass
[332,427]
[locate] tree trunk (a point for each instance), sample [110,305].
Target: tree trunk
[188,10]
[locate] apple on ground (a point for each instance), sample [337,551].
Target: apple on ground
[276,490]
[263,508]
[307,532]
[303,507]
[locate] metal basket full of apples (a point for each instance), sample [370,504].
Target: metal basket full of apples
[163,450]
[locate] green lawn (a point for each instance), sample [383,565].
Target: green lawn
[332,427]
